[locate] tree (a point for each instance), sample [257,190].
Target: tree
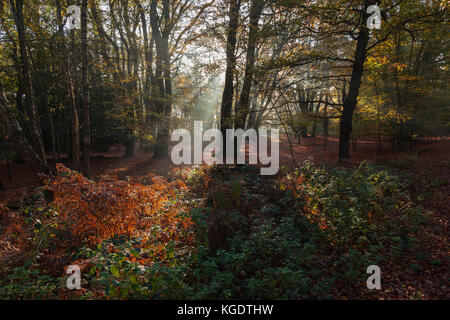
[228,90]
[86,127]
[70,91]
[16,136]
[242,108]
[17,9]
[351,99]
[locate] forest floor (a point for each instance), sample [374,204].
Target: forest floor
[112,163]
[416,250]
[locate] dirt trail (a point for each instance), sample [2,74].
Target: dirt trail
[114,164]
[366,149]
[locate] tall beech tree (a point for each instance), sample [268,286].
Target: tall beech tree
[162,26]
[226,120]
[242,108]
[71,94]
[86,127]
[351,100]
[18,12]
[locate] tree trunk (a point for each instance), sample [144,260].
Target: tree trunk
[45,102]
[70,93]
[26,72]
[16,136]
[326,123]
[8,163]
[351,99]
[164,135]
[314,127]
[304,132]
[163,92]
[148,54]
[243,105]
[228,90]
[86,126]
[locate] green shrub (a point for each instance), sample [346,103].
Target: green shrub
[26,282]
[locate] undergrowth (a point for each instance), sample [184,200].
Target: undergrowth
[223,233]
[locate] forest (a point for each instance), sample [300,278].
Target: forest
[93,205]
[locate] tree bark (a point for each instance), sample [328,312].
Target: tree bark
[163,87]
[243,106]
[86,126]
[148,54]
[228,90]
[16,136]
[26,72]
[45,102]
[351,99]
[70,93]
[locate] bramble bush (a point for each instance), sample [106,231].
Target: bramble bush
[311,234]
[27,282]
